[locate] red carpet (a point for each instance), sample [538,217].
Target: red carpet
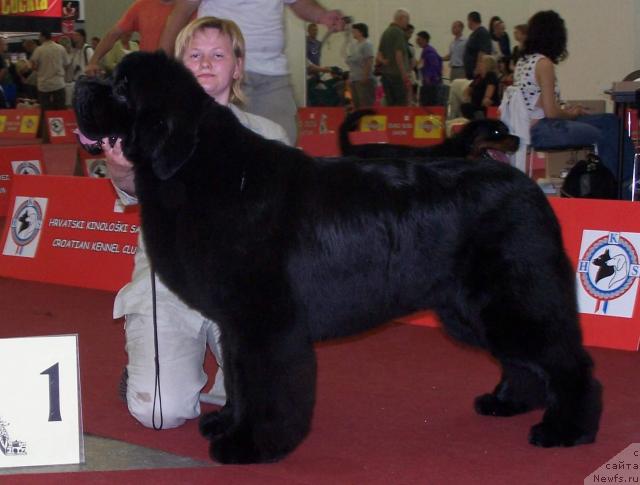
[393,407]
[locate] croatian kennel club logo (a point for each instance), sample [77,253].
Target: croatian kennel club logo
[26,167]
[26,225]
[56,127]
[608,272]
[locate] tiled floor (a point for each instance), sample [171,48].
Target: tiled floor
[104,454]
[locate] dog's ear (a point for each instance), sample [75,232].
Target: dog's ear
[176,145]
[168,141]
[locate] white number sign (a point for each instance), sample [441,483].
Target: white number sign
[40,417]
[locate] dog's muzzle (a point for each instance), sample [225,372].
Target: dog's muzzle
[94,147]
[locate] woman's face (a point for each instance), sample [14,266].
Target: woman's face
[209,56]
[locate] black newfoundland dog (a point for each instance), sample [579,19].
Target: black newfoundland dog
[283,250]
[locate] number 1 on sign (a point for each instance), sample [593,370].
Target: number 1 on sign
[54,392]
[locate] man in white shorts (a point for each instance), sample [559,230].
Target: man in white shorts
[266,80]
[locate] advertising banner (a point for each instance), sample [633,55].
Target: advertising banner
[19,123]
[68,230]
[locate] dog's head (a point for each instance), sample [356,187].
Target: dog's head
[488,138]
[152,103]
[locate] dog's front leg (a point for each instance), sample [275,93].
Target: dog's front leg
[272,396]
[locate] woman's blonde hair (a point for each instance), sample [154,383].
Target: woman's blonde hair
[227,27]
[490,63]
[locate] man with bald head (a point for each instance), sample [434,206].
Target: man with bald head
[456,52]
[393,58]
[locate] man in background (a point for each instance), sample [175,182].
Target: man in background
[49,61]
[393,59]
[430,70]
[81,54]
[479,43]
[456,52]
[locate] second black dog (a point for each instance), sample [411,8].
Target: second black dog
[477,139]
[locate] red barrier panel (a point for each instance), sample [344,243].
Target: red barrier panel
[19,123]
[70,231]
[25,160]
[414,125]
[597,232]
[317,120]
[60,126]
[319,145]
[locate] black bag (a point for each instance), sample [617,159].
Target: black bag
[590,179]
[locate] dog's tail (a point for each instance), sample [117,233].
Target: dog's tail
[350,124]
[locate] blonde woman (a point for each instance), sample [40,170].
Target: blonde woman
[483,90]
[213,50]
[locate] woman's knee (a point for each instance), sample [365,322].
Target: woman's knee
[160,414]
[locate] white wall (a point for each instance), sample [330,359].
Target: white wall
[604,37]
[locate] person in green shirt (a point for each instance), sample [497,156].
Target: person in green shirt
[393,59]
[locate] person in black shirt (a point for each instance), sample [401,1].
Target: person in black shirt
[483,90]
[479,42]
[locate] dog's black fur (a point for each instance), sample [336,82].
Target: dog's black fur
[283,250]
[472,142]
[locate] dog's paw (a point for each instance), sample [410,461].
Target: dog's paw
[490,405]
[216,423]
[547,434]
[239,447]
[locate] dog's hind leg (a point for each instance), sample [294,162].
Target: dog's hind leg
[522,388]
[273,395]
[575,401]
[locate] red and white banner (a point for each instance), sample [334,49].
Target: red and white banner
[60,126]
[31,8]
[21,160]
[68,230]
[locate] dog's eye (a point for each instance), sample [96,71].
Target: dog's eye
[120,88]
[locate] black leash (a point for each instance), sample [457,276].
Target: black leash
[157,393]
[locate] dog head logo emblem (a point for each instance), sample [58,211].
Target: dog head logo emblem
[97,168]
[56,127]
[26,223]
[608,269]
[27,167]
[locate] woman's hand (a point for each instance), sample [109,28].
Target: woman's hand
[576,111]
[120,169]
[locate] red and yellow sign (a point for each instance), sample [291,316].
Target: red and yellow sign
[34,8]
[373,123]
[428,127]
[52,236]
[19,123]
[417,126]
